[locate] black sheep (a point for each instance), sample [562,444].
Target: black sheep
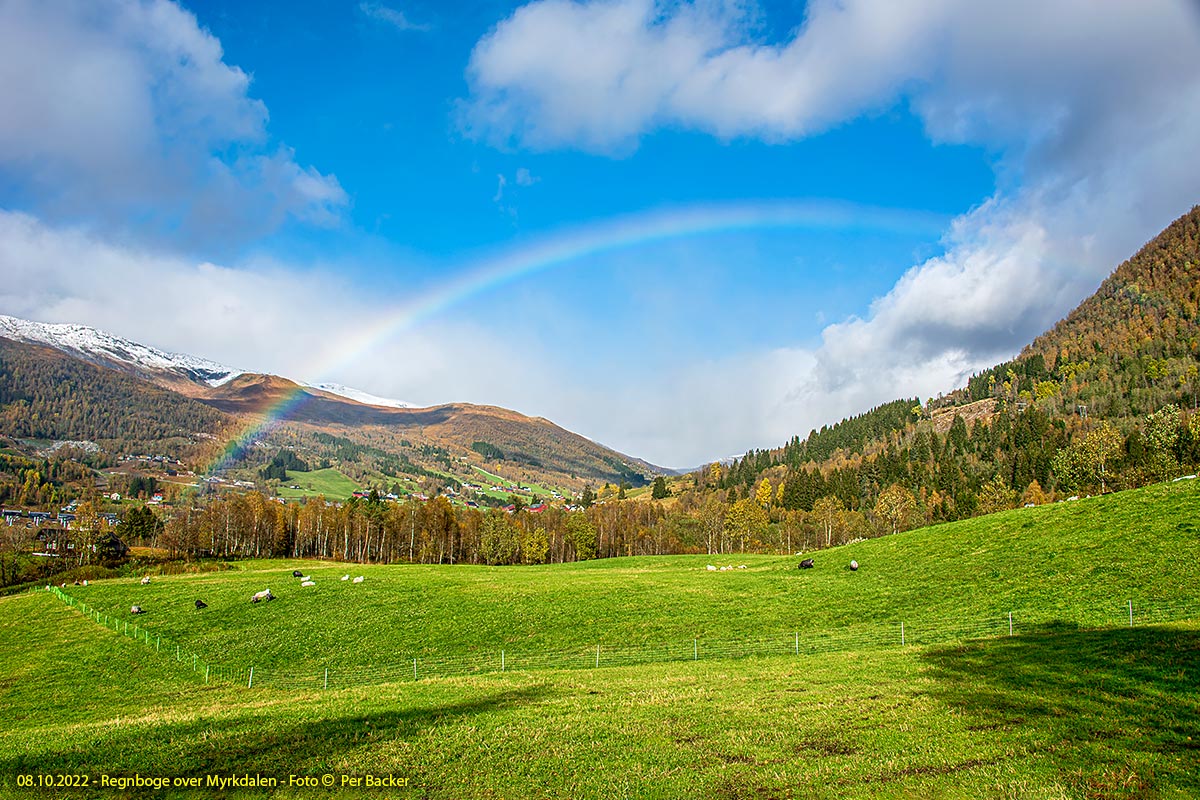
[806,564]
[201,604]
[297,573]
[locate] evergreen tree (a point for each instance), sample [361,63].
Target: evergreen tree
[660,489]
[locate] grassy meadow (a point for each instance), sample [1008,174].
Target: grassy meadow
[327,482]
[1077,704]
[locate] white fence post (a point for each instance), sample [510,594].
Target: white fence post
[250,684]
[1010,623]
[901,634]
[1131,613]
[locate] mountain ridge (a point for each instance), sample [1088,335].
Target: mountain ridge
[532,444]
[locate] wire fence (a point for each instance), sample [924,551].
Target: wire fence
[864,637]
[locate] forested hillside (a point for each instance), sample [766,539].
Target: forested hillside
[1106,399]
[45,394]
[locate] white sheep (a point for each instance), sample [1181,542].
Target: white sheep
[145,580]
[359,579]
[309,583]
[345,577]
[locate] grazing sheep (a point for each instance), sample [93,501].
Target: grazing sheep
[145,580]
[85,581]
[711,568]
[345,577]
[297,573]
[741,566]
[263,595]
[853,565]
[309,583]
[201,604]
[806,564]
[359,579]
[136,610]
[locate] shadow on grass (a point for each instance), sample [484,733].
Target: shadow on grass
[302,738]
[1116,711]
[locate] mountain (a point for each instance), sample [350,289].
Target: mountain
[107,350]
[61,381]
[50,394]
[357,395]
[1107,398]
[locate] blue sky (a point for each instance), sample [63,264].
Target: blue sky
[682,229]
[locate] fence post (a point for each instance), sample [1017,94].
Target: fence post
[502,661]
[327,677]
[206,673]
[177,653]
[901,634]
[1131,613]
[1010,623]
[193,662]
[695,649]
[797,642]
[157,643]
[250,685]
[597,656]
[414,669]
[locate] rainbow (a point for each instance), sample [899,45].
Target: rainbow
[572,245]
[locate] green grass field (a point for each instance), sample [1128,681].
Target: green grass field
[534,488]
[328,482]
[1077,704]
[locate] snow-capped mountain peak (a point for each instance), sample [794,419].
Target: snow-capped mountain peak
[96,345]
[357,395]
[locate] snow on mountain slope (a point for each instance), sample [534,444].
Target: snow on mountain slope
[92,345]
[95,345]
[357,395]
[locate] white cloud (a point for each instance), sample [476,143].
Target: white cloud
[124,109]
[525,177]
[246,317]
[391,16]
[1091,116]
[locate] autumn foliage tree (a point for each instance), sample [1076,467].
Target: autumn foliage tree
[896,506]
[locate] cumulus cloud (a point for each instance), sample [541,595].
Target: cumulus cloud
[1091,120]
[125,109]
